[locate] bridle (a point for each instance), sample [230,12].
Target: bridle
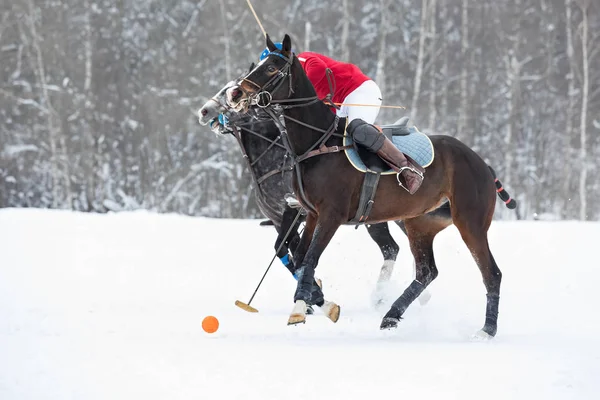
[276,81]
[265,92]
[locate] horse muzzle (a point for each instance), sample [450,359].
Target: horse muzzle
[204,116]
[210,111]
[238,98]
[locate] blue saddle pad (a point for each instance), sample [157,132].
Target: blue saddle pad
[417,145]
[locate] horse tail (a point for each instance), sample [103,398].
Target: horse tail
[502,193]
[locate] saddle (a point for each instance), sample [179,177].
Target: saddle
[416,146]
[398,128]
[409,140]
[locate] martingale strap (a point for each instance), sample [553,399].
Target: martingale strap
[295,165]
[272,143]
[250,164]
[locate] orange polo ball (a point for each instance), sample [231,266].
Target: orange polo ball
[210,324]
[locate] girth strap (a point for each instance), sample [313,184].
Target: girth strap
[367,197]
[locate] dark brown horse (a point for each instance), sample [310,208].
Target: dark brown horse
[329,187]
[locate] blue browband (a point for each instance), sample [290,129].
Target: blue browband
[266,52]
[279,55]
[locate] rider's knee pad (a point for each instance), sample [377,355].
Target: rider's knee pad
[366,135]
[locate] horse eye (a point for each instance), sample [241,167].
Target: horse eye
[271,68]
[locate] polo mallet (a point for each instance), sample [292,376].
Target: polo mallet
[248,307]
[256,17]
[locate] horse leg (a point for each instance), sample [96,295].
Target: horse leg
[316,297]
[477,242]
[380,234]
[473,217]
[284,255]
[420,231]
[305,239]
[425,296]
[328,224]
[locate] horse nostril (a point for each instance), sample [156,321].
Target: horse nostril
[204,111]
[236,93]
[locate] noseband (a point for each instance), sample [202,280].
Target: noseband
[263,97]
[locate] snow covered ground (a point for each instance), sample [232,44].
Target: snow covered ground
[110,307]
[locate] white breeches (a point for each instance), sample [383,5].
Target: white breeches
[367,93]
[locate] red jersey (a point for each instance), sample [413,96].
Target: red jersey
[346,76]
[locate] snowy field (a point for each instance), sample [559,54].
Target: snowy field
[110,307]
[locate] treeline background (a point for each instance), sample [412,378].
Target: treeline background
[98,98]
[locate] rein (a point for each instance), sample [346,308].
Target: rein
[251,163]
[317,149]
[312,152]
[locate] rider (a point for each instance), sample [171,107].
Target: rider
[351,86]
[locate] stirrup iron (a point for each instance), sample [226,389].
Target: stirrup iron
[410,169]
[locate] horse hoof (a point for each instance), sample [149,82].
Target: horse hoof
[389,323]
[481,336]
[331,310]
[310,310]
[298,315]
[487,332]
[296,319]
[319,283]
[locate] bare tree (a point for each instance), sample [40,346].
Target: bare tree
[571,93]
[381,54]
[52,116]
[583,4]
[444,71]
[227,40]
[307,35]
[345,31]
[464,87]
[420,60]
[432,109]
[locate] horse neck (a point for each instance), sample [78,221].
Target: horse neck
[317,114]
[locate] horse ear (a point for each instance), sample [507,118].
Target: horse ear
[270,44]
[251,67]
[286,45]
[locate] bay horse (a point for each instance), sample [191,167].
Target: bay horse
[328,187]
[258,137]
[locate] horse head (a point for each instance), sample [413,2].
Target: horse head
[266,82]
[209,112]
